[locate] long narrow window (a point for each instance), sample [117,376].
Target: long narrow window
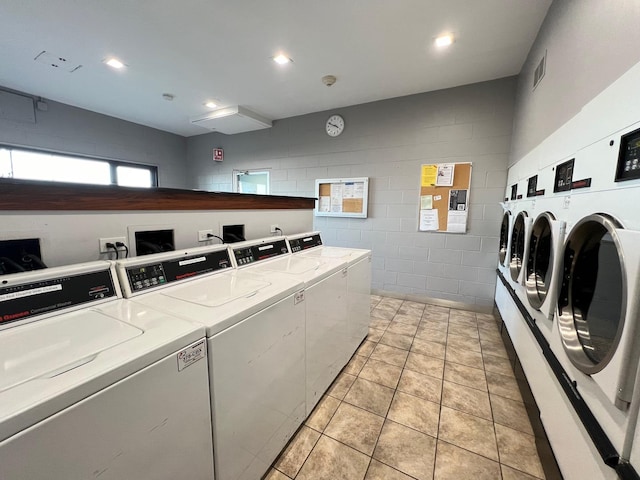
[54,167]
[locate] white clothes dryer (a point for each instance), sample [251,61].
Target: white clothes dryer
[543,269]
[325,294]
[255,336]
[358,280]
[518,250]
[92,385]
[598,339]
[505,242]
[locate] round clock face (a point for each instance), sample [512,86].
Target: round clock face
[335,125]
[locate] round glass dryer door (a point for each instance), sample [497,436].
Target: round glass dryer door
[540,260]
[504,237]
[593,296]
[517,246]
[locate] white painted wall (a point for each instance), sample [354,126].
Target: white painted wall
[589,44]
[387,141]
[72,237]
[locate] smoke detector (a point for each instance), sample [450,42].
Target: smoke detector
[329,80]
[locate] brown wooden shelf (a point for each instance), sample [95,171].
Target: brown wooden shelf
[35,195]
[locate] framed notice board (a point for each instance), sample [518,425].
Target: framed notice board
[342,197]
[444,197]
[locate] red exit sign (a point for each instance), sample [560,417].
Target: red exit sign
[218,154]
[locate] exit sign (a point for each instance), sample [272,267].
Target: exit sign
[218,154]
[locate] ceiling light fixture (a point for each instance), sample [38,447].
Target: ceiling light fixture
[282,59]
[211,104]
[114,63]
[444,41]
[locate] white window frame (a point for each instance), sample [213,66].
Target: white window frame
[259,171]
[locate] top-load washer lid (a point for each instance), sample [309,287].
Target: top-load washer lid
[218,290]
[310,270]
[540,260]
[504,237]
[350,255]
[46,349]
[80,337]
[592,300]
[518,238]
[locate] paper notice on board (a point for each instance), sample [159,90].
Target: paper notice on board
[457,221]
[445,175]
[428,220]
[426,202]
[348,191]
[336,197]
[428,177]
[358,190]
[458,200]
[324,204]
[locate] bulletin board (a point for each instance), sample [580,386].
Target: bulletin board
[444,197]
[342,197]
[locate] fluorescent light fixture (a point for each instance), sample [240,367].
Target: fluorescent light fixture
[114,63]
[211,104]
[444,41]
[281,59]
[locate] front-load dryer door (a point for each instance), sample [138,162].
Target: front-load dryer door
[504,237]
[597,328]
[539,261]
[518,245]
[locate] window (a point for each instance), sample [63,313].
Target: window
[251,181]
[53,167]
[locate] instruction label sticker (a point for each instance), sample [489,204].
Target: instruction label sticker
[192,354]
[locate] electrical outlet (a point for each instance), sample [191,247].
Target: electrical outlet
[103,243]
[274,228]
[203,235]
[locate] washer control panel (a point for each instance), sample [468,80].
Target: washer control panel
[302,243]
[142,277]
[260,251]
[25,300]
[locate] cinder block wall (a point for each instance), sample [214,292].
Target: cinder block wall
[387,141]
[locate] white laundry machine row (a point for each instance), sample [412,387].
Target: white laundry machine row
[327,349]
[358,261]
[255,337]
[92,385]
[594,339]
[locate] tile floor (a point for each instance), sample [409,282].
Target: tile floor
[429,395]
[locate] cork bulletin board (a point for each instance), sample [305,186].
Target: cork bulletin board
[444,197]
[342,197]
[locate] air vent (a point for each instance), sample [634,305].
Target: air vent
[57,62]
[232,120]
[540,69]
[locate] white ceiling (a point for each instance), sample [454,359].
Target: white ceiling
[222,49]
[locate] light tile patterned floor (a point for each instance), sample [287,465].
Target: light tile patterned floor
[429,395]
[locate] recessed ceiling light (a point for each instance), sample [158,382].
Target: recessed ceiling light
[211,104]
[114,63]
[444,41]
[282,59]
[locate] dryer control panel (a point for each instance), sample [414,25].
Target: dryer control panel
[142,277]
[260,251]
[302,243]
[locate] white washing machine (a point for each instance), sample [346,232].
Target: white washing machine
[325,294]
[358,280]
[93,386]
[255,337]
[543,269]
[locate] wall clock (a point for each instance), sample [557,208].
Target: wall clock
[335,125]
